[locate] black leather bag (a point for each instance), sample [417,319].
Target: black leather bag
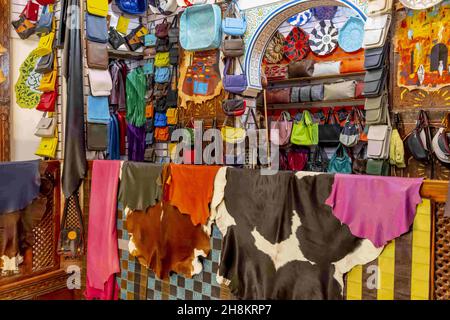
[172,98]
[174,31]
[97,137]
[318,160]
[233,107]
[418,141]
[374,82]
[330,131]
[161,105]
[174,55]
[115,38]
[162,45]
[375,58]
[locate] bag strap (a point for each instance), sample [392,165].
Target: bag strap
[174,22]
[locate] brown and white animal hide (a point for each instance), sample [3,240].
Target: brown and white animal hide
[280,239]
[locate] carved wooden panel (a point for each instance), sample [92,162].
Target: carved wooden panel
[4,86]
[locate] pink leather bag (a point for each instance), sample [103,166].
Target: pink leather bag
[284,126]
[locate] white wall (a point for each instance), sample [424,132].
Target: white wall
[248,4]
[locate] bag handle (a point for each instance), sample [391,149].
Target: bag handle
[174,22]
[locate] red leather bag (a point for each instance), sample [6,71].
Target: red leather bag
[279,96]
[31,11]
[48,101]
[297,159]
[45,2]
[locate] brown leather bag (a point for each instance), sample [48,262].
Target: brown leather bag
[97,55]
[162,29]
[298,69]
[278,96]
[233,47]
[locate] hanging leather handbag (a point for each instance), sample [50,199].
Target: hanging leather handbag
[376,109]
[48,146]
[233,47]
[329,132]
[418,141]
[45,22]
[376,167]
[115,38]
[359,164]
[234,107]
[374,82]
[162,29]
[162,45]
[96,28]
[30,11]
[98,110]
[100,82]
[122,24]
[235,83]
[305,132]
[379,139]
[339,90]
[150,40]
[376,30]
[133,39]
[162,59]
[297,158]
[160,90]
[305,94]
[149,110]
[45,64]
[278,96]
[48,101]
[349,136]
[149,67]
[172,98]
[162,75]
[160,105]
[340,162]
[98,7]
[233,25]
[45,45]
[160,119]
[375,58]
[280,130]
[317,92]
[97,136]
[299,69]
[162,133]
[46,127]
[174,55]
[318,160]
[24,27]
[174,32]
[172,116]
[97,55]
[48,81]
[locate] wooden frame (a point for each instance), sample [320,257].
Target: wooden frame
[5,148]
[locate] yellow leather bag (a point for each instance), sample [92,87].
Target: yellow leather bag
[162,59]
[149,110]
[98,7]
[48,146]
[122,25]
[48,81]
[172,116]
[45,46]
[233,135]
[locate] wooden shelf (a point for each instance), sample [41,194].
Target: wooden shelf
[318,104]
[295,81]
[121,54]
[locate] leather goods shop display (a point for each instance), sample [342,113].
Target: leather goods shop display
[115,38]
[376,109]
[98,110]
[45,45]
[48,146]
[133,39]
[100,82]
[24,27]
[329,132]
[232,24]
[305,94]
[234,83]
[97,7]
[46,127]
[317,92]
[296,45]
[305,132]
[233,47]
[276,72]
[162,29]
[48,81]
[441,141]
[162,45]
[96,28]
[375,58]
[340,162]
[280,130]
[275,49]
[418,141]
[234,107]
[376,31]
[351,35]
[45,23]
[174,32]
[377,167]
[379,7]
[30,11]
[172,116]
[318,161]
[349,136]
[374,82]
[339,90]
[379,139]
[201,27]
[45,64]
[162,59]
[359,163]
[97,136]
[299,69]
[97,55]
[323,39]
[122,24]
[133,7]
[48,101]
[328,68]
[278,96]
[162,75]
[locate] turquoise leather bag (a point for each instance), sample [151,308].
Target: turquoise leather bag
[340,162]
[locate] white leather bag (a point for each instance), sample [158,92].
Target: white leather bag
[46,127]
[100,82]
[379,140]
[329,68]
[378,7]
[376,30]
[339,90]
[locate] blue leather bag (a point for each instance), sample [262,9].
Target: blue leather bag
[96,28]
[45,22]
[160,119]
[340,162]
[132,6]
[150,40]
[235,83]
[98,110]
[149,67]
[162,75]
[201,27]
[232,25]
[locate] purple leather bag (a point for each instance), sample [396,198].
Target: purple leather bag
[236,83]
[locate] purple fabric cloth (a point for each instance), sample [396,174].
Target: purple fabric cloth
[136,143]
[376,208]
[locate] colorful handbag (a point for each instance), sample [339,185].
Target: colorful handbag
[30,11]
[162,59]
[45,22]
[234,83]
[47,101]
[231,24]
[150,40]
[24,27]
[174,32]
[323,39]
[149,67]
[48,81]
[284,126]
[162,133]
[98,110]
[235,135]
[296,45]
[162,75]
[122,24]
[160,119]
[45,45]
[172,116]
[98,7]
[305,132]
[48,146]
[149,110]
[115,39]
[340,162]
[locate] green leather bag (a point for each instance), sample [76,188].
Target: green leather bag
[305,132]
[377,167]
